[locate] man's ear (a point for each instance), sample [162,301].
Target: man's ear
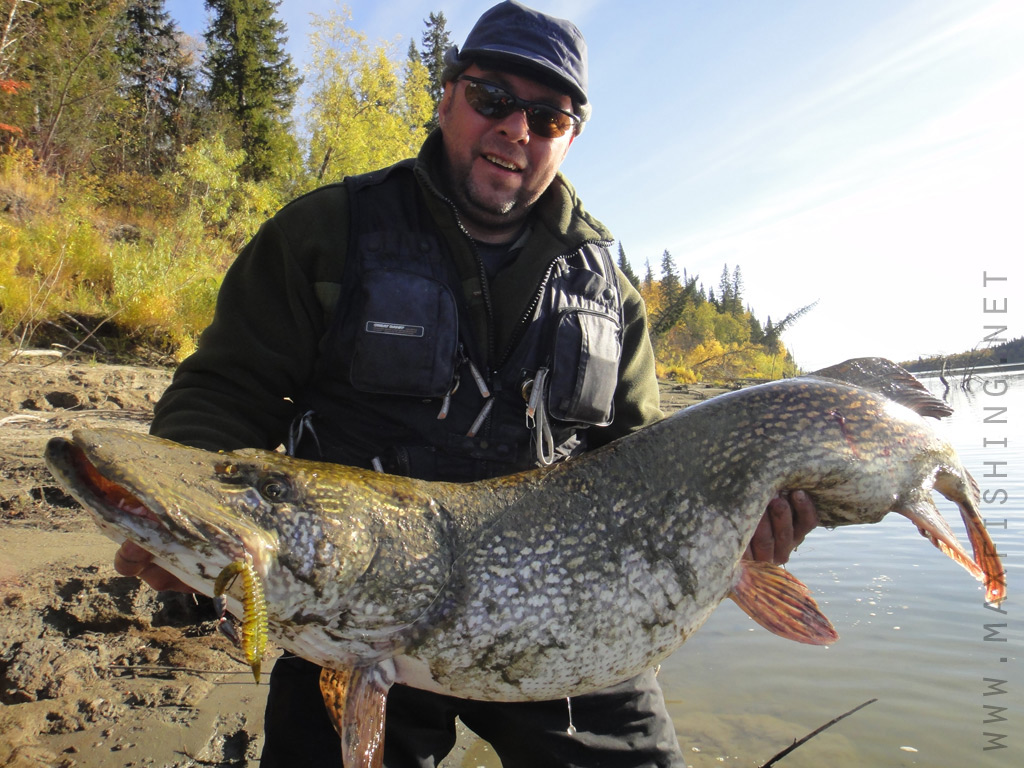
[445,104]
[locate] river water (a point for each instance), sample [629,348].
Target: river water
[915,634]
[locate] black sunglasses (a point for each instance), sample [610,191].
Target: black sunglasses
[493,101]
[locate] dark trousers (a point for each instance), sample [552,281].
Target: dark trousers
[626,726]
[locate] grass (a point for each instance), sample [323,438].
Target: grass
[67,267]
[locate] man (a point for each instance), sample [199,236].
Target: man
[456,317]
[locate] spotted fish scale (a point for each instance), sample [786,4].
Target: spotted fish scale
[545,584]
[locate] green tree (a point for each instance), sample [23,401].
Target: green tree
[158,78]
[368,110]
[670,284]
[725,295]
[66,62]
[756,331]
[736,293]
[648,281]
[626,269]
[675,296]
[436,40]
[253,81]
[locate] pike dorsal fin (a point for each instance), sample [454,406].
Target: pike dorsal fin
[886,378]
[356,698]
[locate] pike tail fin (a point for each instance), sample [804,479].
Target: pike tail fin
[781,603]
[961,489]
[355,699]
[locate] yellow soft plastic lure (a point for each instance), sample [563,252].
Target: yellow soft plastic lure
[255,629]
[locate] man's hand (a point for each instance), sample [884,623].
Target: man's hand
[790,517]
[133,560]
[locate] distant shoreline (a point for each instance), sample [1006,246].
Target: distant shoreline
[977,370]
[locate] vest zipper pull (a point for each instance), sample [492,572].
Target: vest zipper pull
[479,379]
[480,419]
[446,401]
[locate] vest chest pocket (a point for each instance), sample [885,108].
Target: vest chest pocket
[407,335]
[585,368]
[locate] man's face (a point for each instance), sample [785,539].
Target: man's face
[497,169]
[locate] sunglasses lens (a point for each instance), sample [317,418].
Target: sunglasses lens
[549,123]
[497,103]
[489,100]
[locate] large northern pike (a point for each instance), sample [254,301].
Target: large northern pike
[548,583]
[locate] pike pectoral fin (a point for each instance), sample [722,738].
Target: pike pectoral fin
[355,699]
[781,603]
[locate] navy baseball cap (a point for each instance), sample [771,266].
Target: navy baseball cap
[550,49]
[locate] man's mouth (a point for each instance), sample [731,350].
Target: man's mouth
[501,162]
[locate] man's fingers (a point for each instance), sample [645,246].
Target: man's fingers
[788,519]
[161,580]
[780,515]
[805,516]
[762,543]
[131,559]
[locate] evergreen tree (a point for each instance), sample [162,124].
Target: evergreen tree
[725,295]
[158,78]
[670,285]
[626,269]
[674,295]
[253,81]
[736,292]
[436,40]
[756,331]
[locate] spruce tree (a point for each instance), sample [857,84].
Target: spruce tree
[436,40]
[253,81]
[725,294]
[626,269]
[158,78]
[736,292]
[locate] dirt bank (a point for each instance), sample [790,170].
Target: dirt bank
[95,669]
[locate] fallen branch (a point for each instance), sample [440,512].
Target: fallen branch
[159,669]
[814,733]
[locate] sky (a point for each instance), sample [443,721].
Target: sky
[867,156]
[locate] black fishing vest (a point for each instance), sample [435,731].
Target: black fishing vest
[396,388]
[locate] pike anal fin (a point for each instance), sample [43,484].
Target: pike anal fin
[356,699]
[781,603]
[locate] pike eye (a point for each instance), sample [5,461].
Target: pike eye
[275,489]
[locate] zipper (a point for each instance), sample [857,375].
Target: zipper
[524,320]
[485,289]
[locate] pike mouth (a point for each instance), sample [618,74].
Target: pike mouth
[125,512]
[93,489]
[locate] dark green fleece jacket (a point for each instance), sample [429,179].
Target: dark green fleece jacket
[239,388]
